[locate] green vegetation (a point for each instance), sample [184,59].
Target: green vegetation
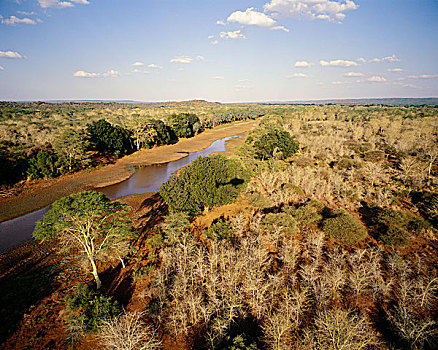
[345,228]
[104,137]
[184,124]
[90,223]
[87,309]
[207,182]
[272,142]
[220,230]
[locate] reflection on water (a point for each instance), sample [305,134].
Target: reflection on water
[146,179]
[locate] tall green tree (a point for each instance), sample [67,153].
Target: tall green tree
[105,137]
[184,124]
[207,182]
[89,223]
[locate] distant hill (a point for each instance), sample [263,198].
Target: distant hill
[368,101]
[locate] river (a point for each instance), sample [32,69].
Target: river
[145,179]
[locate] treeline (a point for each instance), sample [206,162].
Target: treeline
[73,149]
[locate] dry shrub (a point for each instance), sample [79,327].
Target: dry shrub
[340,329]
[128,332]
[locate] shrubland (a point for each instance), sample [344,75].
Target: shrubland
[320,232]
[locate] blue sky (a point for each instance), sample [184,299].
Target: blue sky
[218,50]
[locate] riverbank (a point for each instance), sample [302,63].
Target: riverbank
[45,193]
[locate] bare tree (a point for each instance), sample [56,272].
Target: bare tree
[128,332]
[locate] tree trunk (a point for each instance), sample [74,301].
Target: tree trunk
[95,274]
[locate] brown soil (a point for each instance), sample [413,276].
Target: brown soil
[43,193]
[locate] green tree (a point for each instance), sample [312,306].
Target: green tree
[207,182]
[87,222]
[272,142]
[184,124]
[105,137]
[71,146]
[44,164]
[150,132]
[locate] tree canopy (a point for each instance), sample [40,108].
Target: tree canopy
[207,182]
[90,223]
[105,137]
[272,142]
[184,124]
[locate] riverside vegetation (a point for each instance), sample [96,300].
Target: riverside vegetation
[318,232]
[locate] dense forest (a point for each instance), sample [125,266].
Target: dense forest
[318,231]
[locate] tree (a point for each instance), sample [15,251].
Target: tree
[44,164]
[88,222]
[71,146]
[105,137]
[150,132]
[272,142]
[207,182]
[184,124]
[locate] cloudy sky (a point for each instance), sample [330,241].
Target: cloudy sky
[218,50]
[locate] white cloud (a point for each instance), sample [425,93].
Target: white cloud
[54,4]
[210,37]
[220,22]
[186,59]
[181,69]
[238,34]
[319,83]
[297,75]
[138,64]
[392,58]
[110,74]
[330,10]
[15,20]
[302,64]
[254,18]
[219,77]
[353,74]
[214,42]
[11,54]
[26,13]
[336,82]
[338,63]
[140,71]
[57,4]
[423,76]
[396,70]
[153,65]
[361,60]
[377,79]
[1,68]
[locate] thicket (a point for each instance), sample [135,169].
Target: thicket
[207,182]
[87,309]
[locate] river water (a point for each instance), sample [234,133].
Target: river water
[145,179]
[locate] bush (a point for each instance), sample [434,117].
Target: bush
[394,226]
[129,332]
[220,230]
[273,142]
[308,215]
[345,228]
[239,342]
[285,222]
[207,182]
[87,309]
